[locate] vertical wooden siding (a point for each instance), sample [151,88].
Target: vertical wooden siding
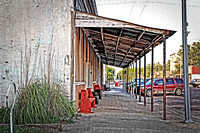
[77,54]
[84,52]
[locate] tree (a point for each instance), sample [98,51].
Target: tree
[157,67]
[193,57]
[168,65]
[148,70]
[110,71]
[194,52]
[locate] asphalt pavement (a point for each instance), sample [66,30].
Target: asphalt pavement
[119,112]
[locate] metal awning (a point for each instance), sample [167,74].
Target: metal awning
[116,42]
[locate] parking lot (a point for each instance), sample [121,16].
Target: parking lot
[176,103]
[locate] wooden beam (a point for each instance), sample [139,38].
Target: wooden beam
[147,49]
[138,39]
[102,37]
[110,35]
[140,36]
[89,20]
[116,48]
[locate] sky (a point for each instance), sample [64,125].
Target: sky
[164,14]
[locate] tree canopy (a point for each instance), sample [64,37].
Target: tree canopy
[193,53]
[122,74]
[193,56]
[110,72]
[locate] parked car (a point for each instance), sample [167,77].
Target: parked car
[195,83]
[142,85]
[173,85]
[142,81]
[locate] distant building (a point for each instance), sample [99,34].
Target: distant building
[194,72]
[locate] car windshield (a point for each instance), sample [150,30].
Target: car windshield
[179,81]
[149,82]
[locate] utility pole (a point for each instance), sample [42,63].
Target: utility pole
[188,118]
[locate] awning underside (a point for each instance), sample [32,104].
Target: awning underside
[119,46]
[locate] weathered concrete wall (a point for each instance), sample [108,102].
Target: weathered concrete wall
[35,42]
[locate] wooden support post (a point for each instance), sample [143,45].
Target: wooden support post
[140,79]
[164,77]
[136,81]
[123,79]
[127,73]
[152,61]
[144,79]
[101,66]
[133,80]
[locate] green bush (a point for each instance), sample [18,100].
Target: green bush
[40,103]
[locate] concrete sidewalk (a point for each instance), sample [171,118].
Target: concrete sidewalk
[119,112]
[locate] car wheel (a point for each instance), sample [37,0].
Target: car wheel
[148,93]
[178,92]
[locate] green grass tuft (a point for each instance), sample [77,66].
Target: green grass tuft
[40,103]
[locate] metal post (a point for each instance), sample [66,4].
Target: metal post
[133,80]
[188,118]
[140,79]
[12,108]
[164,77]
[136,81]
[144,79]
[152,61]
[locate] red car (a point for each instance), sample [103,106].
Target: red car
[173,85]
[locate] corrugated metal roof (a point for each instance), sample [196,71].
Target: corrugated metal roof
[88,6]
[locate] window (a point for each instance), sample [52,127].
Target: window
[159,82]
[169,81]
[179,81]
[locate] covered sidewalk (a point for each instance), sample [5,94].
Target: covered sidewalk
[119,112]
[103,41]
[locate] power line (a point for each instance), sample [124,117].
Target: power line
[142,10]
[131,9]
[150,2]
